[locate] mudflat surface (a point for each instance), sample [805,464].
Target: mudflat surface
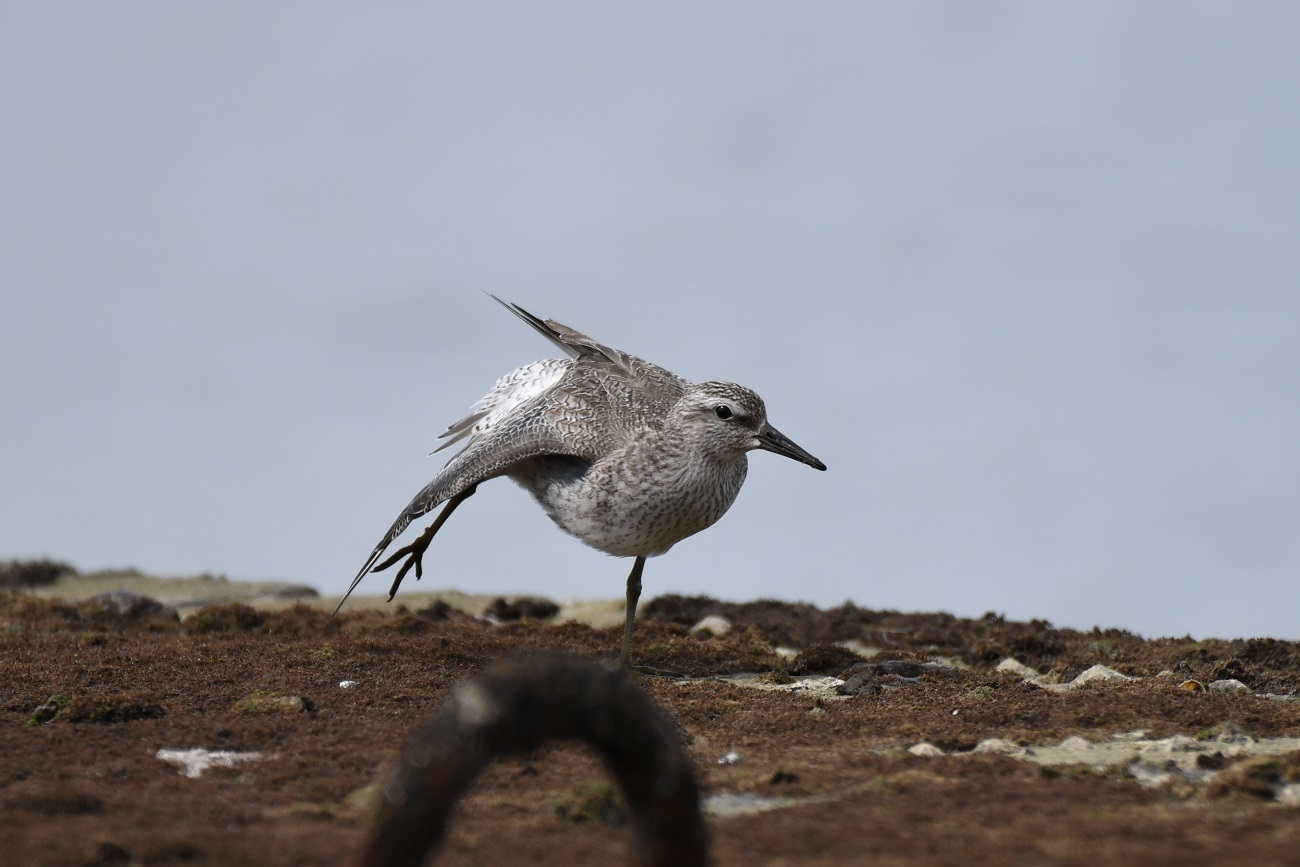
[1211,779]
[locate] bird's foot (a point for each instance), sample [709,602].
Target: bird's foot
[414,554]
[648,671]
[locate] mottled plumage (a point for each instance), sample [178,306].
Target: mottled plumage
[626,456]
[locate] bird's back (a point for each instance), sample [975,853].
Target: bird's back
[598,405]
[586,406]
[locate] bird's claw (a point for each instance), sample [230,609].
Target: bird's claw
[649,671]
[414,554]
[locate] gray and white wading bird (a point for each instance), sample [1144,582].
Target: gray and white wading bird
[626,456]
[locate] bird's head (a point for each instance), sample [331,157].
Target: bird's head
[729,420]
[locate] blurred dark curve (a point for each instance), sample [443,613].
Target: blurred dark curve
[515,708]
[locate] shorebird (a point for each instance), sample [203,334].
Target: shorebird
[628,457]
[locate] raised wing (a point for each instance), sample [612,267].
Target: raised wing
[637,388]
[510,392]
[531,428]
[574,343]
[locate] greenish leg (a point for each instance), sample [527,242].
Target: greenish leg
[633,595]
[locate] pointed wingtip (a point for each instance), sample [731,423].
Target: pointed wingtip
[374,555]
[535,321]
[353,586]
[542,327]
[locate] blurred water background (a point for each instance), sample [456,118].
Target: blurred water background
[1024,275]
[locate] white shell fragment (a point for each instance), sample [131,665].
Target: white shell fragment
[193,762]
[715,625]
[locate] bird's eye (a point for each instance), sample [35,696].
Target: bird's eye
[723,411]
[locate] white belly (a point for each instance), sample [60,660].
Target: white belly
[616,506]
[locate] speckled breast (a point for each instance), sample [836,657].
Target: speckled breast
[621,509]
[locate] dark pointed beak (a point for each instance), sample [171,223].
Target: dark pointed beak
[772,440]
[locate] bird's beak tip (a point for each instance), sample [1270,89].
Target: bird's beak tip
[773,440]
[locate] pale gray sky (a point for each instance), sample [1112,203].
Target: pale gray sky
[1023,275]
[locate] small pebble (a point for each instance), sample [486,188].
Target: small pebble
[861,683]
[1099,672]
[1289,795]
[731,758]
[1016,667]
[1230,685]
[715,625]
[347,684]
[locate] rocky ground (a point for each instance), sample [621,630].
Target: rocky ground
[846,736]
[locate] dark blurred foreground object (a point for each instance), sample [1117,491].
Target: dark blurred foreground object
[515,708]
